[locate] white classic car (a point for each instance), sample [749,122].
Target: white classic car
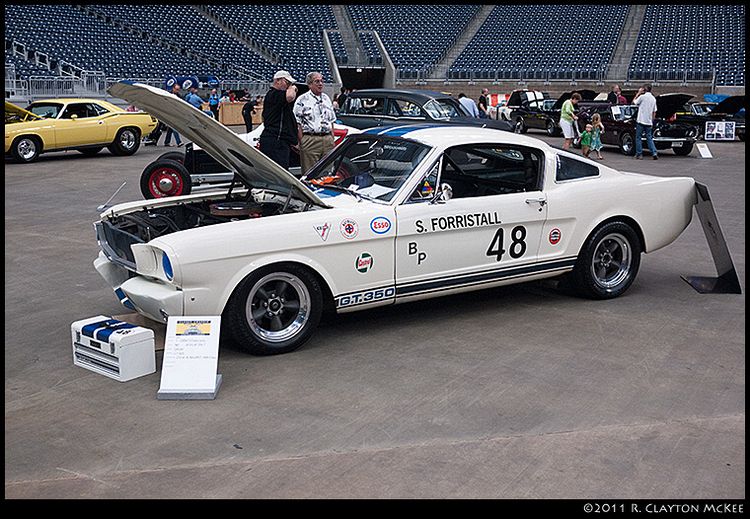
[392,214]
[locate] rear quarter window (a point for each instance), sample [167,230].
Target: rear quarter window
[569,168]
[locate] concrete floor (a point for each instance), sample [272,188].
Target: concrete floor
[516,392]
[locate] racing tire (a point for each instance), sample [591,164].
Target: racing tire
[274,310]
[90,152]
[608,261]
[26,148]
[684,150]
[627,144]
[520,127]
[551,128]
[164,178]
[177,156]
[127,141]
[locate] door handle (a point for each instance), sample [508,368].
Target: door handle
[540,201]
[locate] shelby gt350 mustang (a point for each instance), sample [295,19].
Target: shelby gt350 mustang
[392,214]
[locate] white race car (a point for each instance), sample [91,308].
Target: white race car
[393,214]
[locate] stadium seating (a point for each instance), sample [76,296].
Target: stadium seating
[533,41]
[415,36]
[537,42]
[66,33]
[188,29]
[294,32]
[690,42]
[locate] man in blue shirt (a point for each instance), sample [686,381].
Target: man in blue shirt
[468,104]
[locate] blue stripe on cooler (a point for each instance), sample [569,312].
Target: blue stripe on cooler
[89,329]
[103,335]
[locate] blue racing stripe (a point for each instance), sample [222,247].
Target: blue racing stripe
[89,329]
[403,130]
[103,335]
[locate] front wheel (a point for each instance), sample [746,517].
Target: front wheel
[627,144]
[608,262]
[275,310]
[26,149]
[685,149]
[164,178]
[551,128]
[519,127]
[127,141]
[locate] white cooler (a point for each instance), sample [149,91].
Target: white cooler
[113,348]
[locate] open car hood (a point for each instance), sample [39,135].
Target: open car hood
[586,95]
[250,166]
[16,114]
[731,105]
[668,104]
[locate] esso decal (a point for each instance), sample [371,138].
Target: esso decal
[380,225]
[554,236]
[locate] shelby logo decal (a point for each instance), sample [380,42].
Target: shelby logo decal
[459,221]
[554,236]
[364,262]
[380,225]
[323,230]
[349,229]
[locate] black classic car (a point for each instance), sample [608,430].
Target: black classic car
[619,125]
[388,107]
[533,109]
[728,110]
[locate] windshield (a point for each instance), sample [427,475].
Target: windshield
[374,167]
[443,109]
[704,109]
[46,110]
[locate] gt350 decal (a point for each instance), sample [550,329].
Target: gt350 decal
[368,296]
[459,221]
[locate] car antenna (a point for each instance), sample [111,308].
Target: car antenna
[104,206]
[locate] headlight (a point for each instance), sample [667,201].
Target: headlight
[166,265]
[153,262]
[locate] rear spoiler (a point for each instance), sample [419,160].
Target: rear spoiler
[727,282]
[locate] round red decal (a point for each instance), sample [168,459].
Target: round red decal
[554,236]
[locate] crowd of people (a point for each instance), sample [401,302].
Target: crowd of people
[304,123]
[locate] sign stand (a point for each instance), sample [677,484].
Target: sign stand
[704,151]
[191,355]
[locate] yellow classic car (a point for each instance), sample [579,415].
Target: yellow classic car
[86,125]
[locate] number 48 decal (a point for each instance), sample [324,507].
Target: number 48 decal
[517,246]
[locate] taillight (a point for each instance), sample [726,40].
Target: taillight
[672,119]
[339,134]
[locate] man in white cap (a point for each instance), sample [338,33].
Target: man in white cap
[279,124]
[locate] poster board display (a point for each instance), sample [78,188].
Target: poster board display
[719,131]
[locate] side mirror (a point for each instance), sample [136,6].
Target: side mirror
[446,192]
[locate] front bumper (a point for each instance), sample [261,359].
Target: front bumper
[149,297]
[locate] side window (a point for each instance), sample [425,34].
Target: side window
[427,186]
[97,110]
[491,169]
[80,110]
[403,108]
[569,168]
[372,106]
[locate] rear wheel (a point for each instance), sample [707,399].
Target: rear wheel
[685,149]
[26,149]
[164,178]
[519,127]
[275,310]
[551,128]
[90,152]
[127,141]
[627,144]
[608,261]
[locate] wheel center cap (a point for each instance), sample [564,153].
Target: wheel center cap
[274,306]
[166,184]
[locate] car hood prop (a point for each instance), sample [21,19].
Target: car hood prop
[250,166]
[727,282]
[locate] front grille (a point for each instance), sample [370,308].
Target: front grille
[115,244]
